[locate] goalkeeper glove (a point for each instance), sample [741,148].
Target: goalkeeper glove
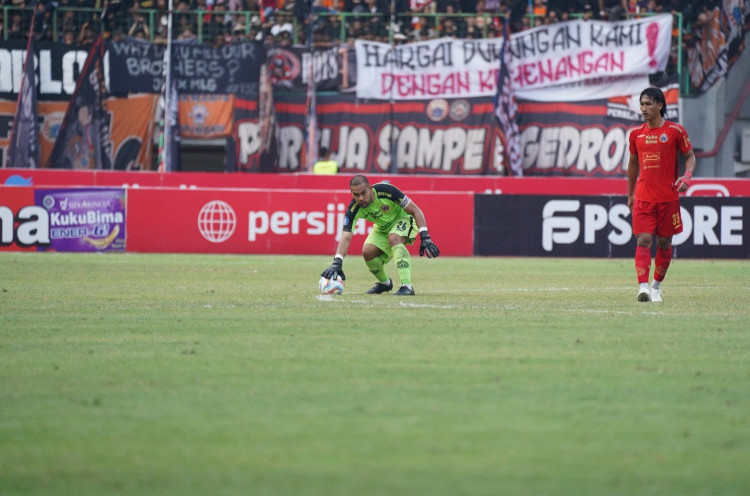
[427,246]
[683,181]
[335,270]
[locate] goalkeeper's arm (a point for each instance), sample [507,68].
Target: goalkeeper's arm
[426,247]
[336,270]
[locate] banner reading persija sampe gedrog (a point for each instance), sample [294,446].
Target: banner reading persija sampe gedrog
[558,54]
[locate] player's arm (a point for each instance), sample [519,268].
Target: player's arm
[416,212]
[336,270]
[683,182]
[633,171]
[426,245]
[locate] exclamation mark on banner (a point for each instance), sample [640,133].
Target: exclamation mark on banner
[652,35]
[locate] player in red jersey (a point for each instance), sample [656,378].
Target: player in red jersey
[653,187]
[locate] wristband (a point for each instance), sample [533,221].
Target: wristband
[339,256]
[423,229]
[688,175]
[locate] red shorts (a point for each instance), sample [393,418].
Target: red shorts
[662,218]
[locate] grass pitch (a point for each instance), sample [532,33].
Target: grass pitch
[223,375]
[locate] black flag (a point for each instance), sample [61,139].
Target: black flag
[24,140]
[506,107]
[83,140]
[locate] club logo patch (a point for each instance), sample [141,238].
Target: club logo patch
[437,110]
[663,138]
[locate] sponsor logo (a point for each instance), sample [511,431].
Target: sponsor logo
[32,226]
[565,221]
[707,190]
[217,221]
[312,223]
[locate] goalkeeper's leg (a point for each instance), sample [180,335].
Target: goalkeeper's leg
[403,263]
[377,267]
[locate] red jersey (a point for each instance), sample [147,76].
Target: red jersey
[657,159]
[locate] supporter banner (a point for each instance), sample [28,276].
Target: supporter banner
[135,66]
[443,68]
[274,221]
[197,69]
[588,89]
[205,116]
[457,136]
[590,226]
[252,138]
[130,138]
[583,138]
[556,54]
[58,67]
[289,68]
[49,115]
[586,49]
[231,69]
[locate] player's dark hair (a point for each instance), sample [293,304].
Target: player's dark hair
[656,95]
[323,151]
[359,179]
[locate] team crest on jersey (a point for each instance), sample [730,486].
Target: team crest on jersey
[385,208]
[663,138]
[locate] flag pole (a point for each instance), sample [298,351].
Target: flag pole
[167,130]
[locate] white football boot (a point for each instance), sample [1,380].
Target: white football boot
[656,294]
[644,294]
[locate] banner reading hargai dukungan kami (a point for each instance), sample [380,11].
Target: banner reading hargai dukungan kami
[547,56]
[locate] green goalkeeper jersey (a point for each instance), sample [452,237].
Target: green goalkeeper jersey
[384,211]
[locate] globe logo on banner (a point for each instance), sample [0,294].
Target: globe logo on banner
[216,221]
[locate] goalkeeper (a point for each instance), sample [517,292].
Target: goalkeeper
[396,219]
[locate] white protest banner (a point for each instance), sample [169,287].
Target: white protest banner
[566,53]
[443,68]
[579,50]
[587,89]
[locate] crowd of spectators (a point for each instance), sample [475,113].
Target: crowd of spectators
[285,22]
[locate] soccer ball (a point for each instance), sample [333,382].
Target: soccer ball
[331,286]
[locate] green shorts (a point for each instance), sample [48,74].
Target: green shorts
[405,226]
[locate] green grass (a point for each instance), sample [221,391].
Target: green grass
[229,375]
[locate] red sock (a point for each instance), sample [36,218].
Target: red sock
[642,263]
[661,263]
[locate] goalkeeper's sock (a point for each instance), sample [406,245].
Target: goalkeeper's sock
[642,263]
[661,263]
[403,263]
[378,269]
